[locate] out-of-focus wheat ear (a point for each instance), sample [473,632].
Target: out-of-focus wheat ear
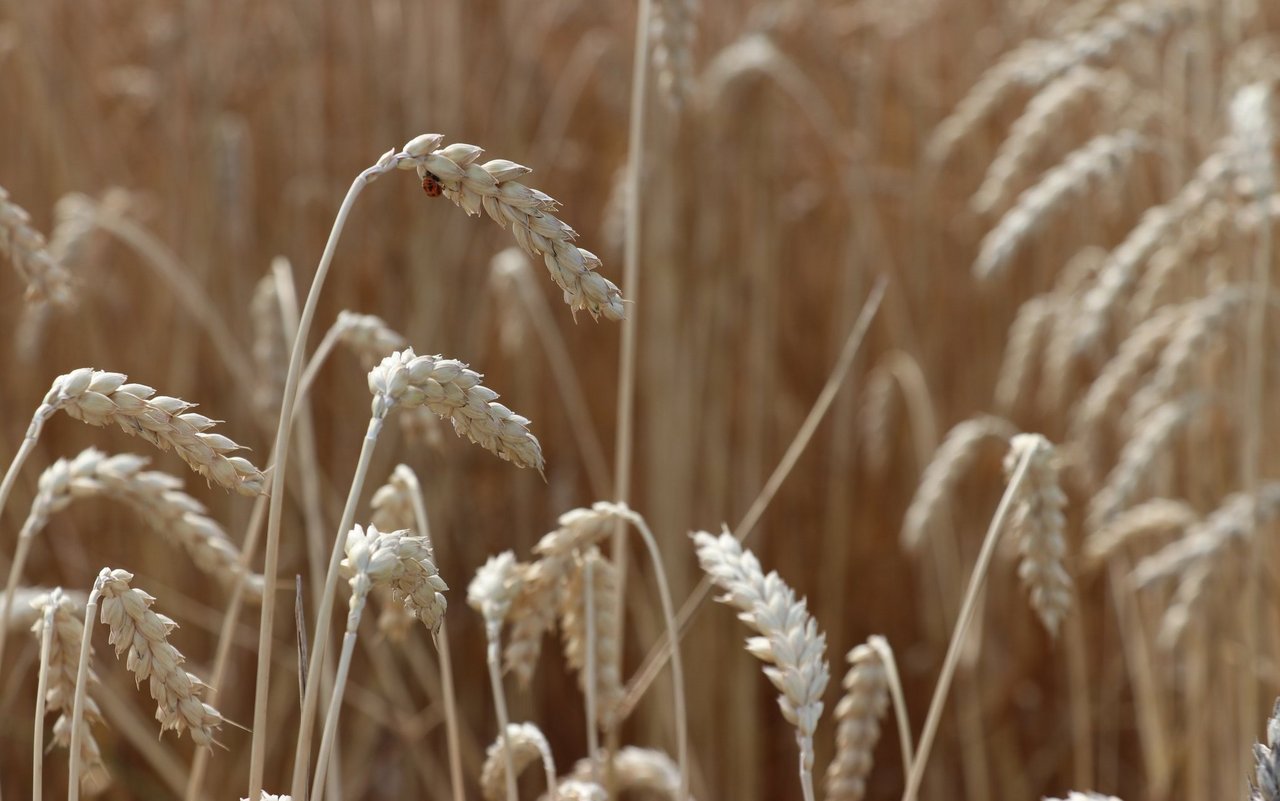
[579,790]
[533,614]
[270,346]
[365,335]
[1038,524]
[62,631]
[962,448]
[1159,519]
[1024,353]
[599,653]
[521,746]
[789,642]
[46,278]
[858,715]
[1075,95]
[1266,783]
[1075,795]
[494,186]
[1104,162]
[1145,462]
[449,389]
[491,593]
[391,510]
[674,29]
[637,770]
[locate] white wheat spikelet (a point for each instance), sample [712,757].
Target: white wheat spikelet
[858,716]
[368,336]
[402,562]
[789,640]
[1251,125]
[179,695]
[526,745]
[100,398]
[265,796]
[391,510]
[1037,524]
[449,389]
[493,589]
[67,634]
[494,186]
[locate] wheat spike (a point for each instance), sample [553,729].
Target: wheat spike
[525,744]
[46,278]
[674,29]
[1158,518]
[608,630]
[1037,525]
[1142,456]
[449,389]
[533,613]
[858,716]
[1266,784]
[270,345]
[100,398]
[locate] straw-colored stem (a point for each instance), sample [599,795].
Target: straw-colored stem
[494,651]
[42,687]
[317,360]
[967,612]
[882,647]
[11,586]
[806,758]
[258,751]
[331,717]
[661,651]
[20,458]
[82,682]
[311,699]
[590,668]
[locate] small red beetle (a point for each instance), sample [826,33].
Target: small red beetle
[431,185]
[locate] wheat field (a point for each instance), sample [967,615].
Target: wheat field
[389,385]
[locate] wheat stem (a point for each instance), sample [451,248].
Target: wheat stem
[493,651]
[882,647]
[590,668]
[967,612]
[331,716]
[82,682]
[42,686]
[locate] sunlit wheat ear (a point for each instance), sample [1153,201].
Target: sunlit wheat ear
[789,640]
[579,529]
[491,593]
[449,389]
[46,279]
[270,346]
[391,510]
[100,398]
[1029,335]
[135,628]
[1102,163]
[525,744]
[368,336]
[1036,62]
[24,615]
[858,716]
[1266,783]
[674,28]
[533,614]
[606,603]
[964,445]
[1253,129]
[1145,461]
[67,633]
[494,186]
[1037,525]
[1160,519]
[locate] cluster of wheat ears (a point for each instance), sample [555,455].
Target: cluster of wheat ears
[1118,161]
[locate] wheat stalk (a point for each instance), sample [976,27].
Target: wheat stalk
[1037,523]
[46,278]
[520,746]
[789,640]
[490,593]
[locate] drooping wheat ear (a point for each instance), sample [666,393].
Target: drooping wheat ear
[46,278]
[533,614]
[1096,415]
[179,695]
[637,770]
[392,509]
[495,188]
[1020,369]
[1218,227]
[491,593]
[673,31]
[1123,268]
[1037,524]
[1075,795]
[1036,62]
[963,447]
[449,389]
[1266,785]
[789,640]
[23,615]
[1077,94]
[579,529]
[270,345]
[1160,519]
[1143,462]
[605,602]
[1104,162]
[100,398]
[521,746]
[369,337]
[858,716]
[67,633]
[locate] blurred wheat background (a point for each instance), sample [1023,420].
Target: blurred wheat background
[1073,207]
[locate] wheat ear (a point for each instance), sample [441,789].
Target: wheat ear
[673,31]
[580,790]
[1037,524]
[1266,786]
[521,746]
[533,613]
[858,715]
[60,632]
[590,622]
[490,593]
[1158,518]
[401,562]
[789,640]
[46,278]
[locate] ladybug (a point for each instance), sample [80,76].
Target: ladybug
[431,185]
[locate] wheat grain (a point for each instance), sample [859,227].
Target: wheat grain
[495,188]
[963,447]
[392,509]
[46,278]
[525,744]
[66,633]
[858,715]
[605,602]
[100,398]
[135,628]
[449,389]
[789,639]
[1038,522]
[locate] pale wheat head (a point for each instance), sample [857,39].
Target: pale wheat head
[46,278]
[858,716]
[1038,525]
